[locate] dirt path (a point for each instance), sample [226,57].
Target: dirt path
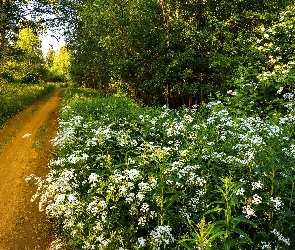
[26,150]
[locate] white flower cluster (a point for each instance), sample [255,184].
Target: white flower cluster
[240,191]
[117,177]
[161,235]
[248,211]
[265,245]
[281,237]
[277,202]
[256,185]
[256,199]
[290,151]
[186,174]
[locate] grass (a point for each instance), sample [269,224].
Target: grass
[16,97]
[38,143]
[39,104]
[8,138]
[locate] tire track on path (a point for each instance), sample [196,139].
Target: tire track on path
[22,226]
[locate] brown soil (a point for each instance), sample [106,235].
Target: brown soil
[22,226]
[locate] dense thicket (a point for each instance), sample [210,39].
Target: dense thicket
[167,51]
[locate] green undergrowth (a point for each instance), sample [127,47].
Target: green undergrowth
[16,97]
[132,177]
[38,143]
[8,138]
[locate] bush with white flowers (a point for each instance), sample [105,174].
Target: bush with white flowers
[129,177]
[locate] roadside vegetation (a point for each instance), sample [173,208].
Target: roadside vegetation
[181,135]
[25,73]
[16,97]
[133,177]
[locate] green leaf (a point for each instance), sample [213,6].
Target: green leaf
[246,237]
[214,210]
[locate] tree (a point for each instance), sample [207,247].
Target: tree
[50,57]
[10,17]
[18,14]
[61,64]
[29,57]
[30,44]
[170,52]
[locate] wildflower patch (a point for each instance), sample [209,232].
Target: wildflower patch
[131,177]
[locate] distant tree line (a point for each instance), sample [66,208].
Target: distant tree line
[172,52]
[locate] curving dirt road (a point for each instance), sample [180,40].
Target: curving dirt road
[25,149]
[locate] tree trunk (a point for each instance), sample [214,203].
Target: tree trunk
[167,94]
[201,87]
[190,101]
[3,27]
[165,15]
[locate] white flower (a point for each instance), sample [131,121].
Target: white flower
[242,180]
[265,245]
[153,214]
[130,198]
[248,211]
[280,90]
[256,199]
[142,221]
[56,245]
[289,105]
[144,208]
[162,234]
[93,177]
[141,241]
[123,190]
[240,191]
[60,198]
[169,182]
[255,139]
[256,185]
[277,202]
[288,96]
[281,237]
[144,187]
[72,198]
[140,196]
[132,174]
[130,185]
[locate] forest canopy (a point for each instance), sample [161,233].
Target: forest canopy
[171,52]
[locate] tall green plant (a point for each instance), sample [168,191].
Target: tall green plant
[226,232]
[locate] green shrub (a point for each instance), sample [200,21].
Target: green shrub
[7,76]
[56,78]
[30,77]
